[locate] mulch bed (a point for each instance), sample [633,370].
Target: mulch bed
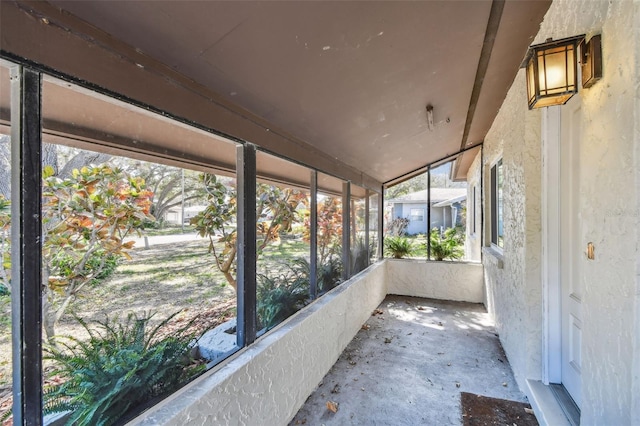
[478,410]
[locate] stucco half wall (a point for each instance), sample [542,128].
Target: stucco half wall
[266,383]
[459,281]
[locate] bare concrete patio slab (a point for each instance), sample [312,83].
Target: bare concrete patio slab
[408,365]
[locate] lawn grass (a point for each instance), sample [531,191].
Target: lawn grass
[168,230]
[164,279]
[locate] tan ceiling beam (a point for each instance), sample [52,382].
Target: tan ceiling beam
[485,56]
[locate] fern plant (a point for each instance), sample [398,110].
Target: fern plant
[120,367]
[398,247]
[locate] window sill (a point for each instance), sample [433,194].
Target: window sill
[493,257]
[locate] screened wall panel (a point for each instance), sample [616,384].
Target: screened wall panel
[139,252]
[6,368]
[283,252]
[359,246]
[329,232]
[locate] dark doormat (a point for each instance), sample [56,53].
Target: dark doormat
[478,410]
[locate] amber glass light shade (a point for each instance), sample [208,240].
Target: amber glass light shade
[552,72]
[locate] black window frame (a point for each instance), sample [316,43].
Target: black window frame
[26,132]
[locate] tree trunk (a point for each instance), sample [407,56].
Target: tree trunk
[226,267]
[50,156]
[48,321]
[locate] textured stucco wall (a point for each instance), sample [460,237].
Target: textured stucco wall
[513,288]
[461,281]
[609,208]
[268,382]
[609,212]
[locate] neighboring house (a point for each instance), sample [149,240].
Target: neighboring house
[446,209]
[174,214]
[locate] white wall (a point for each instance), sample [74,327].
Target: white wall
[269,381]
[513,291]
[609,214]
[609,208]
[461,281]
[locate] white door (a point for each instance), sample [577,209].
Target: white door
[571,249]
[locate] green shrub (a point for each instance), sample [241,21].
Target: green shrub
[398,247]
[120,367]
[282,296]
[329,273]
[5,243]
[100,264]
[449,245]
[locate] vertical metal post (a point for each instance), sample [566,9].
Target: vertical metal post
[346,231]
[429,213]
[381,224]
[182,202]
[246,241]
[26,245]
[313,237]
[366,225]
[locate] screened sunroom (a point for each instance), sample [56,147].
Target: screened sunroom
[210,203]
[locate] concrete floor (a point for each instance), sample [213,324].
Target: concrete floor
[408,365]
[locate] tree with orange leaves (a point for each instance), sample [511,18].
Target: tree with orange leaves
[276,211]
[86,218]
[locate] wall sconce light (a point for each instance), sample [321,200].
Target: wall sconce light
[552,69]
[591,61]
[552,72]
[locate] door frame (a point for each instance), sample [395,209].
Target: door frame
[551,138]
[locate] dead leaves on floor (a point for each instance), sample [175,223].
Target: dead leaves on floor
[332,406]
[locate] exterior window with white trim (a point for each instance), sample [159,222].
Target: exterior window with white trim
[471,213]
[497,182]
[416,215]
